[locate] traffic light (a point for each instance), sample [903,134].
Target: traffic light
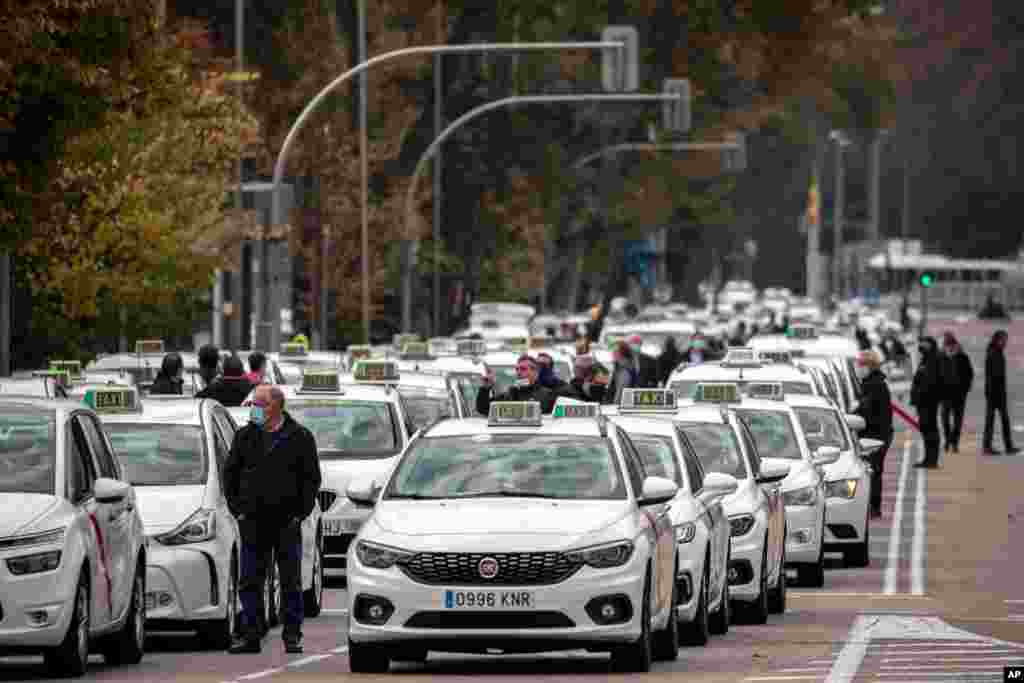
[927,279]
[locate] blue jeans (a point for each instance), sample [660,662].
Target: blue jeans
[261,543]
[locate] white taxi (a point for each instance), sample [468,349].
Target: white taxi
[757,515]
[741,366]
[173,451]
[701,527]
[429,396]
[514,534]
[72,547]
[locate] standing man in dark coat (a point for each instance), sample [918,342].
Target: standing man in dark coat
[670,359]
[169,379]
[526,388]
[876,409]
[232,388]
[926,393]
[585,385]
[271,479]
[995,394]
[646,366]
[958,376]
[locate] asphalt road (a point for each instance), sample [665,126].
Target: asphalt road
[941,601]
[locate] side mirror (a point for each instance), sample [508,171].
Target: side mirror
[110,491]
[826,455]
[773,470]
[718,485]
[657,490]
[856,422]
[363,492]
[870,446]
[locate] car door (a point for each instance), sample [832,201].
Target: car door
[123,533]
[713,517]
[770,496]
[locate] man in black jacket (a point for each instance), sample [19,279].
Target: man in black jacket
[958,376]
[232,388]
[271,479]
[876,409]
[585,385]
[525,389]
[995,395]
[926,393]
[646,366]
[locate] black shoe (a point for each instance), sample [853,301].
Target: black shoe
[990,451]
[245,646]
[920,464]
[875,513]
[1012,451]
[956,449]
[293,645]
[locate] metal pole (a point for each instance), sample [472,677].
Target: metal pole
[238,292]
[364,187]
[438,125]
[654,147]
[837,227]
[5,314]
[874,189]
[324,247]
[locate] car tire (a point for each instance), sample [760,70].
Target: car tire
[636,657]
[313,599]
[217,634]
[665,647]
[128,645]
[718,621]
[367,659]
[71,658]
[696,632]
[777,595]
[860,554]
[813,575]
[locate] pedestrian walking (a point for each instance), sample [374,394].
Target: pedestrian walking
[271,479]
[624,373]
[646,366]
[232,388]
[169,380]
[876,408]
[926,393]
[257,367]
[995,395]
[958,377]
[526,388]
[670,359]
[585,385]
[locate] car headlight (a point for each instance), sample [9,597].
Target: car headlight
[686,532]
[603,556]
[41,538]
[201,526]
[808,495]
[33,564]
[841,488]
[740,525]
[380,556]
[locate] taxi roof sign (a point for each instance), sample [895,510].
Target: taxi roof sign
[293,349]
[471,347]
[417,349]
[149,346]
[320,380]
[442,346]
[73,367]
[376,371]
[571,408]
[770,391]
[110,400]
[740,357]
[803,332]
[515,343]
[717,392]
[514,414]
[400,340]
[360,351]
[775,356]
[647,400]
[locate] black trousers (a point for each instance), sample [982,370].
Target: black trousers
[990,415]
[953,419]
[877,468]
[260,542]
[928,417]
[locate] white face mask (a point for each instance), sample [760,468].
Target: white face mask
[863,371]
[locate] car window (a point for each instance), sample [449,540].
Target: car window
[425,405]
[81,470]
[98,445]
[658,456]
[773,433]
[499,465]
[750,446]
[716,448]
[160,454]
[347,428]
[221,448]
[634,463]
[695,473]
[822,428]
[28,450]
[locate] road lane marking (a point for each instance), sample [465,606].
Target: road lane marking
[294,664]
[261,674]
[918,546]
[937,661]
[892,566]
[338,610]
[856,646]
[340,650]
[837,594]
[782,678]
[1014,602]
[307,660]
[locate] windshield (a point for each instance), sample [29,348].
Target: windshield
[27,451]
[159,454]
[347,429]
[529,465]
[687,388]
[822,428]
[658,455]
[773,433]
[424,406]
[717,448]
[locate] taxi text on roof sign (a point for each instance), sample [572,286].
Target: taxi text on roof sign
[471,347]
[376,371]
[771,391]
[149,346]
[571,408]
[357,352]
[515,413]
[647,400]
[718,392]
[293,349]
[442,346]
[743,356]
[320,380]
[775,356]
[73,367]
[400,340]
[112,400]
[415,348]
[803,332]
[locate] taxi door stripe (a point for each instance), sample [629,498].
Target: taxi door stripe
[103,562]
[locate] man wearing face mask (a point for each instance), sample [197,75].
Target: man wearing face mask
[959,375]
[271,479]
[698,352]
[586,385]
[526,388]
[546,376]
[876,408]
[646,366]
[926,393]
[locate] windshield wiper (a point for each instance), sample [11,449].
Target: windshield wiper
[510,493]
[413,496]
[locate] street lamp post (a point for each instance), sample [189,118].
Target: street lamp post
[838,217]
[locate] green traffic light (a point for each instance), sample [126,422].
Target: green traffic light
[927,279]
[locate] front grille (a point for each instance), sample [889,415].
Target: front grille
[489,620]
[843,531]
[337,545]
[327,498]
[514,569]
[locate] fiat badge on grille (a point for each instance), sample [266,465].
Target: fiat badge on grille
[488,568]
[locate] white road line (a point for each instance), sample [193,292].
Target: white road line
[340,650]
[893,563]
[782,678]
[831,594]
[339,610]
[261,674]
[295,664]
[854,648]
[953,660]
[1014,602]
[307,660]
[918,546]
[813,670]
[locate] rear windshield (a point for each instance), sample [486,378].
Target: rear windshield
[822,428]
[159,454]
[424,405]
[658,454]
[717,448]
[27,451]
[773,433]
[348,429]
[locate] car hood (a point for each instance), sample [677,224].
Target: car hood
[801,474]
[477,523]
[337,473]
[22,513]
[163,508]
[846,467]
